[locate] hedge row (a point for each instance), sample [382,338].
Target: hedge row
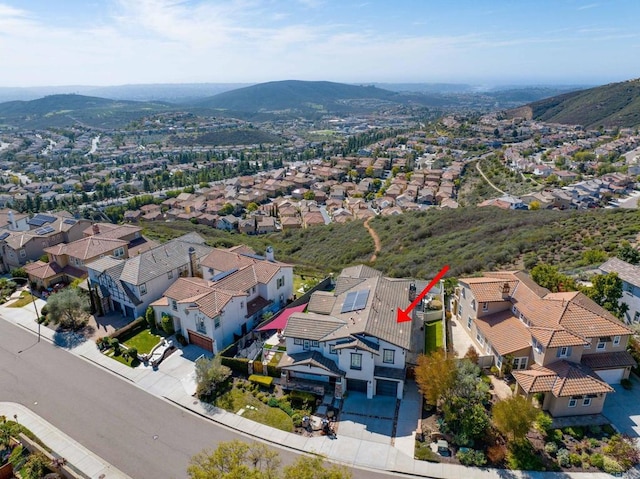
[237,365]
[130,329]
[266,381]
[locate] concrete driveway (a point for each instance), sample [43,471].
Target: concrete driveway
[368,419]
[622,408]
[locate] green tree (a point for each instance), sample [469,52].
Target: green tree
[435,375]
[314,468]
[309,195]
[69,308]
[227,209]
[210,374]
[252,207]
[549,277]
[534,205]
[628,253]
[606,290]
[150,317]
[369,172]
[235,460]
[514,417]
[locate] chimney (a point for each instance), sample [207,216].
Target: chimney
[193,268]
[96,228]
[505,291]
[412,292]
[12,220]
[269,254]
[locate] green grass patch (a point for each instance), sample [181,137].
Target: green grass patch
[25,299]
[132,363]
[423,452]
[433,336]
[144,341]
[236,399]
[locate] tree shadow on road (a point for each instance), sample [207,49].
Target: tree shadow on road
[69,339]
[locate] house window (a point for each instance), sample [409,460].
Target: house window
[616,340]
[216,322]
[537,346]
[588,344]
[602,344]
[520,363]
[174,305]
[564,352]
[253,290]
[573,401]
[332,349]
[306,344]
[143,288]
[459,310]
[586,401]
[485,307]
[499,362]
[200,326]
[388,356]
[23,253]
[356,361]
[473,304]
[629,287]
[514,309]
[118,252]
[469,319]
[169,274]
[280,282]
[463,293]
[315,344]
[636,316]
[297,341]
[480,338]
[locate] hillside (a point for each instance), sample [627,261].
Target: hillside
[613,105]
[302,96]
[59,110]
[469,240]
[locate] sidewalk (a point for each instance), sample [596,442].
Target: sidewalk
[174,381]
[76,454]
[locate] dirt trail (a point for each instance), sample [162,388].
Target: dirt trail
[376,240]
[487,179]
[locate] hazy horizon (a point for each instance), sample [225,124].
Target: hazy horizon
[137,42]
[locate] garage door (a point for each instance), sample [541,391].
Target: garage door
[357,385]
[611,376]
[386,388]
[200,341]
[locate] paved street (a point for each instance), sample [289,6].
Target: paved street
[140,434]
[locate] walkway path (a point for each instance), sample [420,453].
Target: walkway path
[487,179]
[376,240]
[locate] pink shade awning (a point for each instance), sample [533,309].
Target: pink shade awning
[280,321]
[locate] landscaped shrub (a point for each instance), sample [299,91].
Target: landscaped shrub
[596,460]
[167,324]
[302,399]
[611,466]
[575,432]
[150,318]
[115,344]
[266,381]
[563,458]
[595,430]
[273,402]
[237,365]
[521,455]
[551,448]
[556,436]
[132,353]
[623,450]
[575,459]
[285,405]
[496,453]
[130,330]
[471,457]
[543,423]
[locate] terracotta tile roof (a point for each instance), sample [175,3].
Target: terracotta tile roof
[589,323]
[505,332]
[611,360]
[556,338]
[211,304]
[487,290]
[87,248]
[226,260]
[565,379]
[184,288]
[42,270]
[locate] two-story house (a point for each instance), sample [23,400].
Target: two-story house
[630,276]
[130,285]
[17,248]
[350,339]
[562,345]
[238,287]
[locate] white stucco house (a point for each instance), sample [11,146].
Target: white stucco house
[630,276]
[350,340]
[237,288]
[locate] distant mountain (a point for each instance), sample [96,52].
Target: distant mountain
[302,97]
[60,110]
[615,104]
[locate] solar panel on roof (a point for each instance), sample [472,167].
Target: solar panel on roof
[355,301]
[36,221]
[45,230]
[69,221]
[47,218]
[4,236]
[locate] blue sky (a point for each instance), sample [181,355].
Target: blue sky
[482,42]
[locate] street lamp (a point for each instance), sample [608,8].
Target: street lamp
[33,299]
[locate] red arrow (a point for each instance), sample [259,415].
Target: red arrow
[404,315]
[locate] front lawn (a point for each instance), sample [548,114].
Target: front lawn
[236,399]
[144,341]
[25,298]
[122,358]
[432,336]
